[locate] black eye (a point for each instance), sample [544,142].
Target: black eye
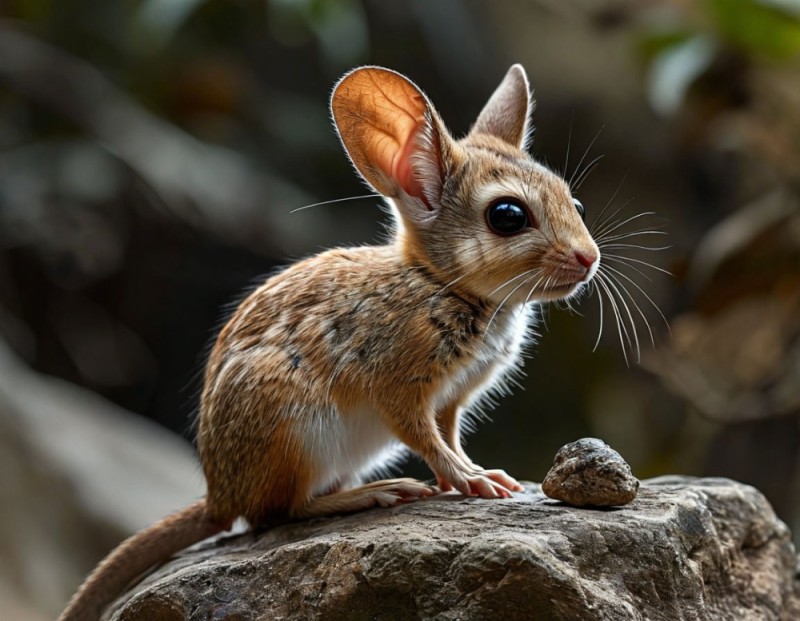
[507,217]
[579,206]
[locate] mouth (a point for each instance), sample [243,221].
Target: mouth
[570,282]
[562,290]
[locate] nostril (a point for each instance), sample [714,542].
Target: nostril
[585,258]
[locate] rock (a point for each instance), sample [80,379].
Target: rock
[793,609]
[690,549]
[77,474]
[589,472]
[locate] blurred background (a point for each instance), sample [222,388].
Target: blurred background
[152,152]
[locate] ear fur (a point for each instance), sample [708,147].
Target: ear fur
[507,114]
[392,133]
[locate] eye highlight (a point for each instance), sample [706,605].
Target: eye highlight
[507,217]
[580,208]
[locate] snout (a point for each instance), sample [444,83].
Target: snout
[585,262]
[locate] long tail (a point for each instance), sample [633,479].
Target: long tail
[134,556]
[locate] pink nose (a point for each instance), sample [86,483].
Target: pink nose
[585,258]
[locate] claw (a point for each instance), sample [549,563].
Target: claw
[482,483]
[499,476]
[443,484]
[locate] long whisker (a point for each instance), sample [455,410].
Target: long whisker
[611,283]
[619,236]
[567,304]
[637,246]
[600,304]
[569,142]
[615,226]
[452,282]
[610,232]
[497,310]
[639,309]
[643,292]
[512,279]
[336,200]
[598,226]
[530,293]
[589,167]
[633,267]
[618,258]
[528,299]
[544,288]
[601,280]
[585,153]
[465,272]
[608,203]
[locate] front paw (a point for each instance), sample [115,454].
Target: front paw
[500,476]
[473,484]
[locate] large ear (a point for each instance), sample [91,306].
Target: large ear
[507,114]
[392,134]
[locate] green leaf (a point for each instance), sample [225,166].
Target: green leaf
[766,28]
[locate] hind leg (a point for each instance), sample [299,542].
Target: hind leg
[387,493]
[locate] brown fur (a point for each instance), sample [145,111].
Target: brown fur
[327,364]
[136,555]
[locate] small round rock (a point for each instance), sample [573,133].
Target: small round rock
[589,472]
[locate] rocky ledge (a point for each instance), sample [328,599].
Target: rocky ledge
[684,549]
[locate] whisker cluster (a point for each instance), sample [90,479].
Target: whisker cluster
[527,276]
[615,287]
[580,174]
[611,282]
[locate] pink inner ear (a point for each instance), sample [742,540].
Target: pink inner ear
[379,115]
[403,171]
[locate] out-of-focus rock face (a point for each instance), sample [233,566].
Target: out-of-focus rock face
[684,549]
[77,474]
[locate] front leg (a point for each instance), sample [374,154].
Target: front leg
[415,425]
[449,419]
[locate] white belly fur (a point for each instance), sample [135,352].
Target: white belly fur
[350,447]
[357,444]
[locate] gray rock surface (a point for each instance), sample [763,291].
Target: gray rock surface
[689,549]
